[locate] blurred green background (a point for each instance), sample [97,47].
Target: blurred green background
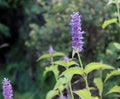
[29,27]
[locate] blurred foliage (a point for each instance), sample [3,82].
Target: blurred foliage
[29,27]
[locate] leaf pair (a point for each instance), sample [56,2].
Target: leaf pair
[54,54]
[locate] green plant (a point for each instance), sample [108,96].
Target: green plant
[71,68]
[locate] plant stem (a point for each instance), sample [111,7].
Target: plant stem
[71,90]
[85,77]
[101,79]
[87,86]
[61,95]
[80,60]
[118,11]
[51,59]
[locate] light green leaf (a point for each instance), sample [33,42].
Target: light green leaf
[62,82]
[51,94]
[113,47]
[72,71]
[108,22]
[95,98]
[58,54]
[99,84]
[54,69]
[114,89]
[113,73]
[96,66]
[47,69]
[65,64]
[118,57]
[92,88]
[83,94]
[61,63]
[111,2]
[70,63]
[43,57]
[51,55]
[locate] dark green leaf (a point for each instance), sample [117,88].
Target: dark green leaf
[113,73]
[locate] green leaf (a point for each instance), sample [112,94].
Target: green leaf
[4,30]
[96,66]
[51,94]
[62,82]
[99,84]
[114,89]
[113,73]
[118,57]
[83,94]
[113,47]
[65,64]
[72,71]
[108,22]
[11,66]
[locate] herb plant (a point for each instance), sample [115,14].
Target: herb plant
[73,67]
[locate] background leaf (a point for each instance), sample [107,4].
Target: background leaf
[99,84]
[113,73]
[110,2]
[108,22]
[114,89]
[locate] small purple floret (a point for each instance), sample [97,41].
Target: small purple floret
[62,97]
[77,33]
[51,50]
[66,59]
[7,89]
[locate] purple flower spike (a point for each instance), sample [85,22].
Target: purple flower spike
[51,50]
[7,89]
[66,59]
[77,33]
